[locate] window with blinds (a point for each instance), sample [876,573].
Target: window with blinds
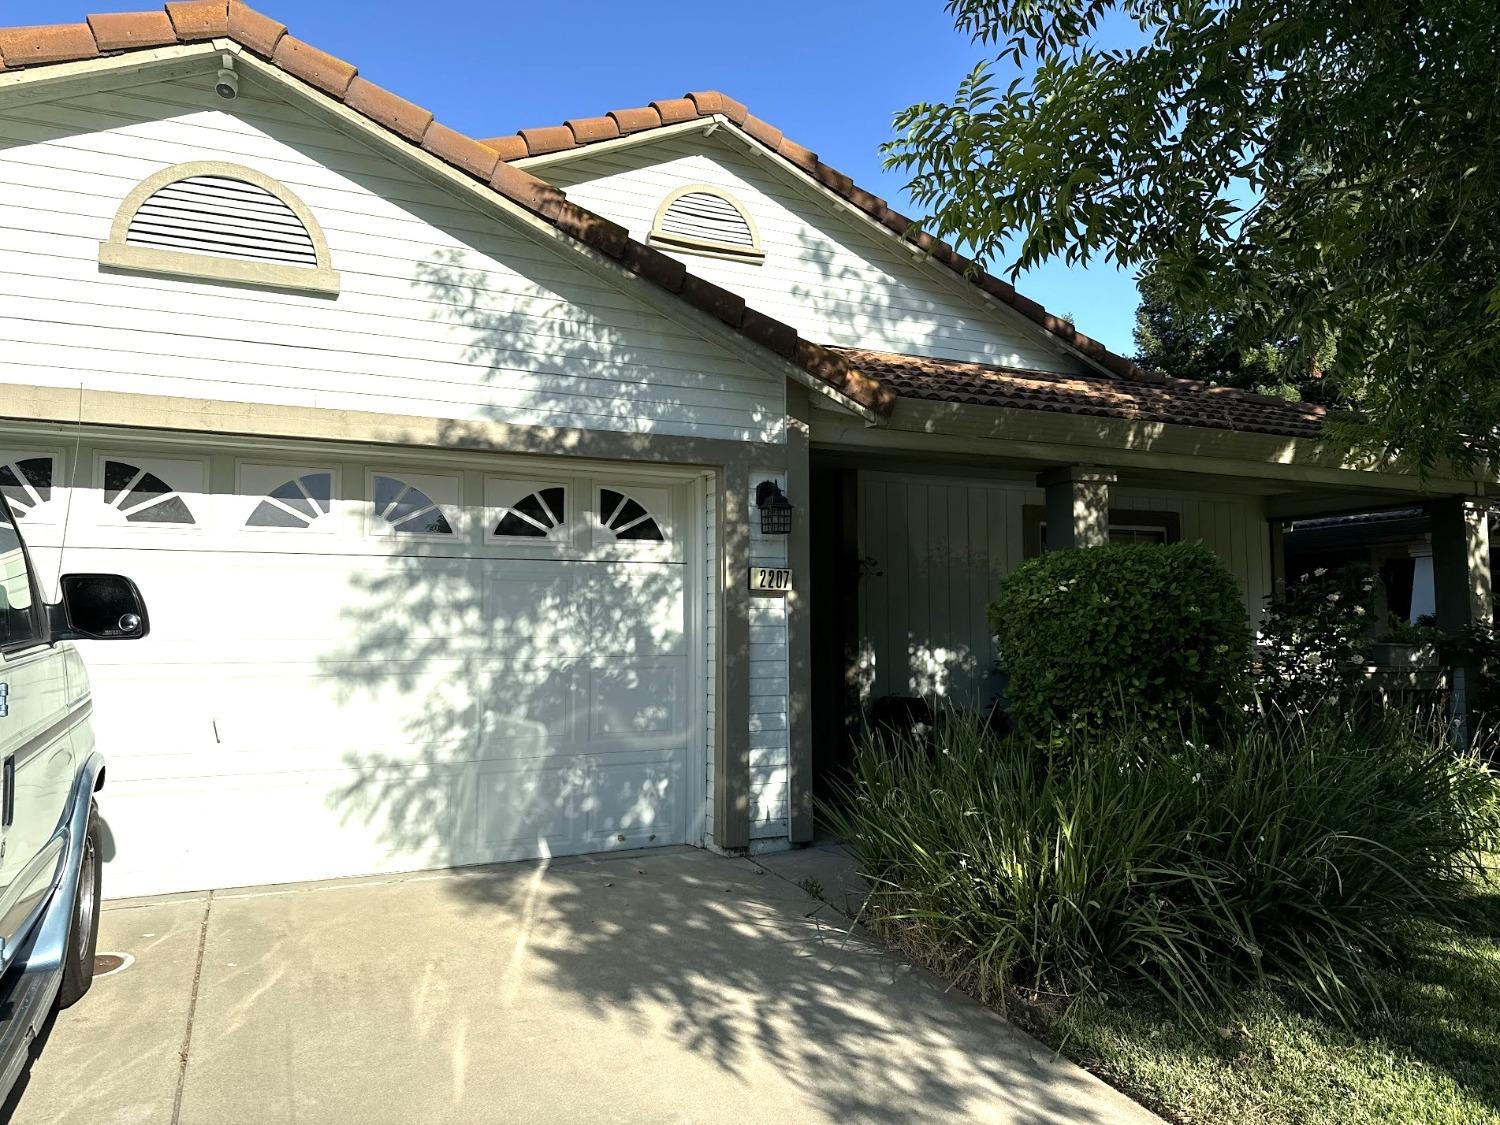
[705,220]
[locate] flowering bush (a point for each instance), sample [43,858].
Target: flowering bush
[1314,642]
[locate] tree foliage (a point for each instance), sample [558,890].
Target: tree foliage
[1207,346]
[1325,173]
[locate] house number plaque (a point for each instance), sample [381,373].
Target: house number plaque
[770,579]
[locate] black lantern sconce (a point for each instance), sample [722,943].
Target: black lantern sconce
[775,509]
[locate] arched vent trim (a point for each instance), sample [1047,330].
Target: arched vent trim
[220,222]
[705,220]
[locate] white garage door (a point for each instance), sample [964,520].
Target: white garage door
[375,664]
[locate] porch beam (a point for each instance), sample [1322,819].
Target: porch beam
[1077,506]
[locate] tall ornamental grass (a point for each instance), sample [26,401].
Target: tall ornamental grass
[1299,853]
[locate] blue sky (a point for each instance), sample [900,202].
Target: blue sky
[830,73]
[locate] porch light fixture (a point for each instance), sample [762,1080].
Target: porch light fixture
[775,509]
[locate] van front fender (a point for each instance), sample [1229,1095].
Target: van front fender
[49,944]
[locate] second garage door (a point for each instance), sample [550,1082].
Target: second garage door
[379,663]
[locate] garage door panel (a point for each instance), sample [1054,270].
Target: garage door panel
[536,606]
[636,609]
[636,699]
[638,802]
[233,831]
[539,811]
[528,708]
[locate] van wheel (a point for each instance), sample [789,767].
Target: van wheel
[83,934]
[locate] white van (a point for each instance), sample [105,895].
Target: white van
[49,853]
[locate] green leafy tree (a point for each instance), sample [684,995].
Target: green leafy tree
[1207,346]
[1326,170]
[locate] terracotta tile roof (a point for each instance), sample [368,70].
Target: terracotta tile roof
[708,103]
[1180,402]
[201,20]
[872,379]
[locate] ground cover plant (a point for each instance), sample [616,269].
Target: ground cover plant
[1300,855]
[1430,1055]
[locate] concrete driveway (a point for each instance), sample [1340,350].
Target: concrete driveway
[671,985]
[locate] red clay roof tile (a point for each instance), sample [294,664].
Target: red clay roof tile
[707,101]
[251,29]
[317,68]
[196,20]
[804,158]
[714,299]
[587,130]
[634,120]
[763,131]
[119,31]
[656,267]
[780,338]
[396,114]
[462,152]
[737,111]
[47,43]
[595,230]
[552,138]
[1174,401]
[673,110]
[510,146]
[522,187]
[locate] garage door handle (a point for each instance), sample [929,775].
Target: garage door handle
[8,803]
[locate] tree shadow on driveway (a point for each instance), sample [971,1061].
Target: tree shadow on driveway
[750,972]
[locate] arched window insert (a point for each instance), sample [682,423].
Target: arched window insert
[220,222]
[706,220]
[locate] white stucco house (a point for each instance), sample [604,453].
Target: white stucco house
[437,458]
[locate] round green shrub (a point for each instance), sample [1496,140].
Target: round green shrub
[1149,635]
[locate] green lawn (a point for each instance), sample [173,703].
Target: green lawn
[1433,1058]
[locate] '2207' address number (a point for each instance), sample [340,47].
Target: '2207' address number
[770,579]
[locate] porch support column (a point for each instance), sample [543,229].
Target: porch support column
[731,796]
[1461,589]
[1077,506]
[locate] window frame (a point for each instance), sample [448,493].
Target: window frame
[755,253]
[248,474]
[155,465]
[379,528]
[557,539]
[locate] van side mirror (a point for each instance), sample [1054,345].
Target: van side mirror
[99,607]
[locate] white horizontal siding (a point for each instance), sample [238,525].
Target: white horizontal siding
[444,311]
[710,647]
[825,273]
[769,739]
[937,550]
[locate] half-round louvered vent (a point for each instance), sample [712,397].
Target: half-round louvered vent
[708,221]
[223,223]
[222,216]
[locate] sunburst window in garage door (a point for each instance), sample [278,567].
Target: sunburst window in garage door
[528,511]
[27,483]
[296,504]
[142,496]
[627,518]
[403,508]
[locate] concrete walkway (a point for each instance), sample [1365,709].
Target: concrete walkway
[671,985]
